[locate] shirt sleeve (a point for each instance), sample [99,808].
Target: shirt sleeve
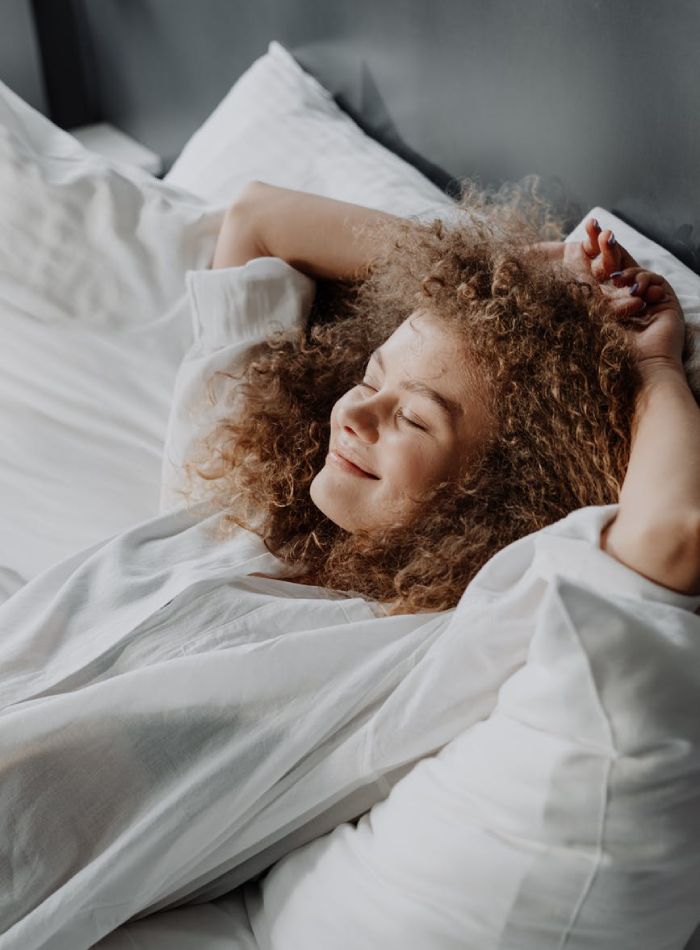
[571,549]
[234,305]
[233,309]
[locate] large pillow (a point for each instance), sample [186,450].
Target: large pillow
[94,322]
[570,817]
[279,124]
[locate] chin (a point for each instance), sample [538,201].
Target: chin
[325,505]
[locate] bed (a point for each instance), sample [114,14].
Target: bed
[94,345]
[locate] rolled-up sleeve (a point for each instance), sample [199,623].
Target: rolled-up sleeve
[571,550]
[233,310]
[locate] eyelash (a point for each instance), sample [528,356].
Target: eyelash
[399,413]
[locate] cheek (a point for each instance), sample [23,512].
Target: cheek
[410,465]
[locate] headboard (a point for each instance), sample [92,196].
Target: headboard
[600,99]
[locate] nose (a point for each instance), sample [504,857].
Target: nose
[360,420]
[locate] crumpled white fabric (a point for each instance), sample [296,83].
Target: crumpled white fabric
[94,322]
[168,748]
[158,709]
[233,310]
[568,817]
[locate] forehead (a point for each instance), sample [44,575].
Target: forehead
[426,359]
[421,354]
[423,344]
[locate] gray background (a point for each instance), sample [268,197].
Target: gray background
[600,98]
[20,65]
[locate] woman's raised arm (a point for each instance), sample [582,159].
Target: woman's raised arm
[656,531]
[312,233]
[657,528]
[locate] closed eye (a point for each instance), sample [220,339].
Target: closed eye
[399,412]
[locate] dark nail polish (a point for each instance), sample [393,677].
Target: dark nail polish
[612,241]
[597,226]
[634,288]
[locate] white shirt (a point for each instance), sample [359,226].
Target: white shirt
[170,726]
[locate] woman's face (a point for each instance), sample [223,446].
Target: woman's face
[391,426]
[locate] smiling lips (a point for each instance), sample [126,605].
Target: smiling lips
[343,463]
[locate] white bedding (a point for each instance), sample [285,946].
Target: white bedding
[93,325]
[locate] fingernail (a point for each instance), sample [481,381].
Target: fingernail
[643,307]
[617,273]
[612,241]
[597,226]
[634,288]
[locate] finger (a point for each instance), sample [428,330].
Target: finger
[593,244]
[626,259]
[643,281]
[590,243]
[626,276]
[611,254]
[641,284]
[628,307]
[655,293]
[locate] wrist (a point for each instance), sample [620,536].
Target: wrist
[661,374]
[661,368]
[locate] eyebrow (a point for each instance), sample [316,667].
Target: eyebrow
[449,406]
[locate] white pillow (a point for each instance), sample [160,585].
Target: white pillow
[569,818]
[93,325]
[280,125]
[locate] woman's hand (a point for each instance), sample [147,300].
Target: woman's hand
[644,302]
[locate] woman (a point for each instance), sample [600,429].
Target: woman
[473,385]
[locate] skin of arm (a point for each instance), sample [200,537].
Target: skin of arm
[657,528]
[312,233]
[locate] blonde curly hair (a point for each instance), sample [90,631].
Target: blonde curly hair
[558,376]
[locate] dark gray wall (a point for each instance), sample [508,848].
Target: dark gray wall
[20,65]
[600,98]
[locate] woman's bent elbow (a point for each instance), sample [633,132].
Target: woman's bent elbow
[672,552]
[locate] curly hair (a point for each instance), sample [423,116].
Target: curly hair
[558,375]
